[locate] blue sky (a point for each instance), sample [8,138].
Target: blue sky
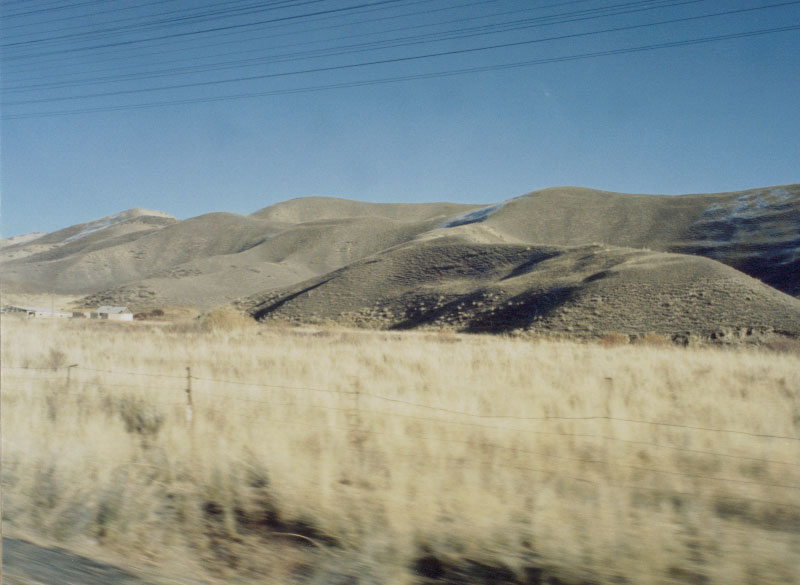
[709,117]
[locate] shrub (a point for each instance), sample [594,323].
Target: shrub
[225,318]
[655,339]
[614,339]
[140,417]
[784,345]
[55,359]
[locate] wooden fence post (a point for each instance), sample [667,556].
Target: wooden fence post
[69,370]
[189,409]
[610,475]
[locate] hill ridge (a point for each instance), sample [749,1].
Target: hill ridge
[149,259]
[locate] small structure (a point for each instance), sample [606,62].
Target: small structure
[113,314]
[39,312]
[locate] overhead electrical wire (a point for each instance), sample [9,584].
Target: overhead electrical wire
[58,6]
[128,29]
[368,46]
[115,55]
[397,79]
[84,16]
[394,60]
[71,58]
[172,21]
[195,58]
[210,30]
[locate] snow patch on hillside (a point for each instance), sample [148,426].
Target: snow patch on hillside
[750,205]
[739,224]
[475,216]
[112,220]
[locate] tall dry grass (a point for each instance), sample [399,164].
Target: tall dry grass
[303,459]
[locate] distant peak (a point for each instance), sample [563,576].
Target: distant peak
[137,212]
[24,238]
[114,219]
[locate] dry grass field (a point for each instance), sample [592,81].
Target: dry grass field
[332,456]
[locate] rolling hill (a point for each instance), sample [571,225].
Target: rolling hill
[584,291]
[566,259]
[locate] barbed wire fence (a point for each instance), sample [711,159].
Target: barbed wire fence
[356,404]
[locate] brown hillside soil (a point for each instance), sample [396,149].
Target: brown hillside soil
[588,291]
[150,259]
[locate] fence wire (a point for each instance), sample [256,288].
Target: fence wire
[219,389]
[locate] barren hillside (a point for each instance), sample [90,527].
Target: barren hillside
[582,290]
[563,259]
[756,231]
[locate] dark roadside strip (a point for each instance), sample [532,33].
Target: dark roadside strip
[25,563]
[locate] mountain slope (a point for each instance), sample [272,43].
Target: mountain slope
[84,237]
[147,259]
[271,260]
[756,231]
[585,290]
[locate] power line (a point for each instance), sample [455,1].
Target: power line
[398,79]
[209,30]
[293,33]
[382,44]
[114,55]
[169,46]
[6,27]
[405,59]
[57,6]
[112,11]
[166,22]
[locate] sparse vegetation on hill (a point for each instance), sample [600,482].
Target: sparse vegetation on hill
[587,292]
[338,456]
[144,259]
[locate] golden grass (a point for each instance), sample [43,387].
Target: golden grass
[304,456]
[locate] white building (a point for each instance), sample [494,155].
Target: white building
[113,314]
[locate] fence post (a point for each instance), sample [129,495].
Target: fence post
[357,436]
[608,414]
[69,370]
[356,432]
[609,436]
[189,409]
